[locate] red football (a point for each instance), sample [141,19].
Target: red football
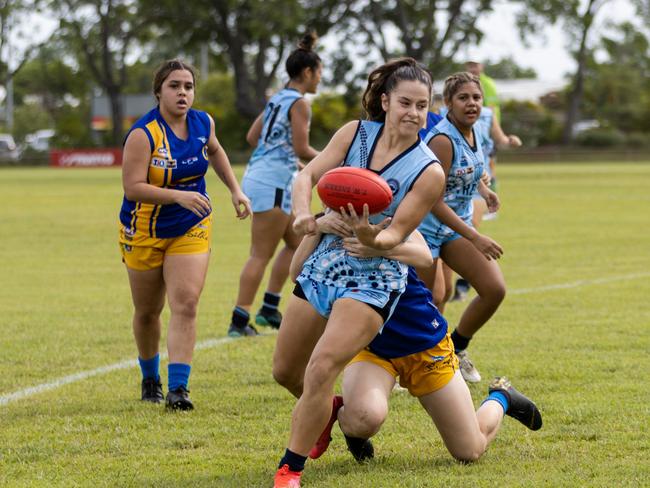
[340,186]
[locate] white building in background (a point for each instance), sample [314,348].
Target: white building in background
[520,90]
[527,89]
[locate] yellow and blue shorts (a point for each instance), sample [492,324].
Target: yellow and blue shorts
[142,253]
[421,373]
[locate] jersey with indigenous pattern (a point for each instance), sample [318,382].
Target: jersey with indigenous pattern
[329,263]
[274,161]
[174,163]
[484,126]
[416,324]
[464,174]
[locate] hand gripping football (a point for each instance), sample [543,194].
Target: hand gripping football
[343,185]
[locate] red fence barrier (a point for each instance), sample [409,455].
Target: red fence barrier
[64,158]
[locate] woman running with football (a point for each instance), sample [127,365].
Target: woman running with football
[334,286]
[414,345]
[280,135]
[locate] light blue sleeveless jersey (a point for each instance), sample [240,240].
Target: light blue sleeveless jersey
[274,162]
[329,263]
[484,126]
[463,178]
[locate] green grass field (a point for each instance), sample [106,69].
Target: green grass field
[574,334]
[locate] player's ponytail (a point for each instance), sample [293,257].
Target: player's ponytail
[384,80]
[455,81]
[303,57]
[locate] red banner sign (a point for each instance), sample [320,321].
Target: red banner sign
[64,158]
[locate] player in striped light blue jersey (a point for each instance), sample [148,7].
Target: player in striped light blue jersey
[316,325]
[280,135]
[448,230]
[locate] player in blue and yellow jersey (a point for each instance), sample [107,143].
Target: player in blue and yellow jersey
[166,219]
[281,138]
[334,286]
[448,229]
[415,345]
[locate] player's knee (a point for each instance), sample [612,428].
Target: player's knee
[286,376]
[497,292]
[321,371]
[469,452]
[185,305]
[262,254]
[149,317]
[364,421]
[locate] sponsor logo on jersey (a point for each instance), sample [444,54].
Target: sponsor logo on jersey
[393,184]
[162,151]
[191,160]
[163,163]
[464,171]
[202,139]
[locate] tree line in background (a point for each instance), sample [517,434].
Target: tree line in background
[113,46]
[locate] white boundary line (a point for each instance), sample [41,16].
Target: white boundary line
[73,378]
[210,343]
[576,284]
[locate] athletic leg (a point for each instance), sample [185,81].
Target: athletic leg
[300,331]
[268,313]
[148,294]
[484,276]
[267,229]
[340,342]
[184,277]
[465,433]
[366,388]
[280,269]
[447,284]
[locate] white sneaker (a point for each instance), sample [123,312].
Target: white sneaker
[467,369]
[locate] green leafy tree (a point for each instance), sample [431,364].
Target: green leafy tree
[216,95]
[13,23]
[102,34]
[578,20]
[253,35]
[47,91]
[429,31]
[617,91]
[533,123]
[508,69]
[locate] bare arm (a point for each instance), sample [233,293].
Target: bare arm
[255,130]
[441,146]
[135,168]
[501,138]
[329,158]
[428,189]
[221,165]
[414,251]
[330,223]
[300,116]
